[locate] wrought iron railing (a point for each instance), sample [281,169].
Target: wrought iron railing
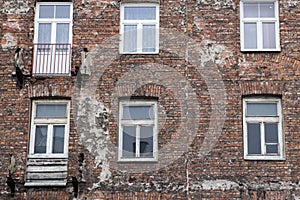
[51,59]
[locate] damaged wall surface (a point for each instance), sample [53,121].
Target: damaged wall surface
[198,79]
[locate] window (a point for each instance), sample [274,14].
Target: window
[259,25]
[53,38]
[137,130]
[139,28]
[263,137]
[49,128]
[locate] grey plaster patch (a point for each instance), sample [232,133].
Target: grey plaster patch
[9,41]
[219,185]
[93,137]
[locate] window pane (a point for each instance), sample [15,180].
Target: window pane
[129,143]
[148,38]
[250,10]
[139,13]
[40,142]
[58,139]
[138,112]
[146,141]
[271,133]
[250,35]
[62,12]
[51,110]
[261,109]
[130,38]
[254,142]
[269,39]
[267,10]
[272,149]
[44,34]
[46,11]
[62,33]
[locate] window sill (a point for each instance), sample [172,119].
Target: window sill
[124,160]
[46,183]
[260,50]
[271,158]
[48,156]
[139,53]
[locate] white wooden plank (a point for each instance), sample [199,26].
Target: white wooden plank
[47,169]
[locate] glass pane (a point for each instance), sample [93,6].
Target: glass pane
[250,10]
[46,11]
[250,35]
[269,39]
[146,141]
[148,38]
[58,139]
[254,142]
[44,34]
[40,142]
[272,149]
[139,13]
[62,33]
[51,110]
[129,143]
[267,10]
[62,12]
[138,112]
[261,109]
[271,133]
[130,38]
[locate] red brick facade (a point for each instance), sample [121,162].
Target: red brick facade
[199,79]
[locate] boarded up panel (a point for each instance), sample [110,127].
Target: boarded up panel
[46,172]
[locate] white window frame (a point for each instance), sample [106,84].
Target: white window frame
[263,119]
[137,123]
[139,24]
[259,22]
[49,122]
[53,21]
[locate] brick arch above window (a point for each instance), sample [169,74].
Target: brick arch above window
[261,87]
[49,90]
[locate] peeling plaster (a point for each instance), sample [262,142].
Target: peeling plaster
[223,184]
[293,3]
[218,4]
[15,7]
[218,185]
[92,136]
[9,41]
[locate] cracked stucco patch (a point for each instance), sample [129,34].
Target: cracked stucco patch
[93,137]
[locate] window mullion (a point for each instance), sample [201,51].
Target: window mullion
[259,35]
[137,141]
[139,37]
[262,138]
[49,139]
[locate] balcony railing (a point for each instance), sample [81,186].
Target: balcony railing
[52,59]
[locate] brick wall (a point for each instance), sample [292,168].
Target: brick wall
[199,78]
